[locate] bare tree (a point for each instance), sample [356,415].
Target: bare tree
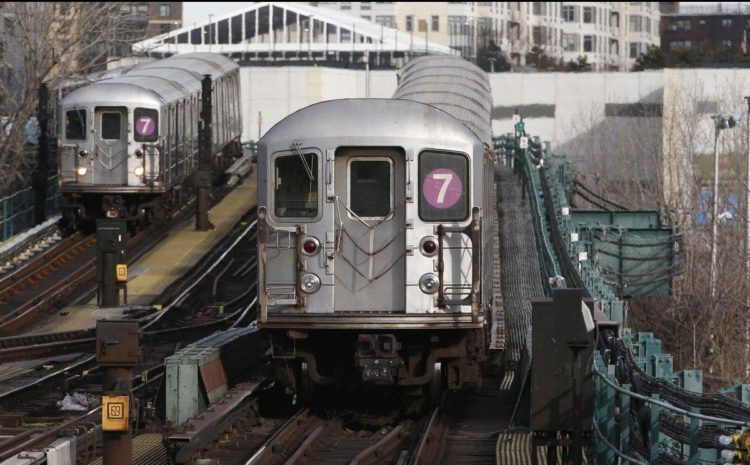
[700,332]
[47,43]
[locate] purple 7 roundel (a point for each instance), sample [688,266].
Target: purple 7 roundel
[145,126]
[442,188]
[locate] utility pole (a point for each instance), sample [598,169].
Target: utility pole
[747,247]
[111,262]
[715,214]
[721,121]
[205,153]
[117,354]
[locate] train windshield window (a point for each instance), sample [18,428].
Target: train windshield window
[370,194]
[75,124]
[444,186]
[146,122]
[111,125]
[296,186]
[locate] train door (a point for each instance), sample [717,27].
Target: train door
[111,145]
[370,220]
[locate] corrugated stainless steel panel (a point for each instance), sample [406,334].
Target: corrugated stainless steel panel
[170,79]
[452,84]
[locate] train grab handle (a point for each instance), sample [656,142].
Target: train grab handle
[474,231]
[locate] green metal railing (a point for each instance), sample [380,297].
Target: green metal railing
[18,209]
[652,420]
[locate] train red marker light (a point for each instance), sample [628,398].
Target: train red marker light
[429,246]
[310,246]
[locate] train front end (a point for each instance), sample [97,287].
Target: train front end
[109,135]
[371,223]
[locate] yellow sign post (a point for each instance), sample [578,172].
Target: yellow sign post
[115,413]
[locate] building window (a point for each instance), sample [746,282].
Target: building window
[680,25]
[142,8]
[636,23]
[409,23]
[365,5]
[538,35]
[673,44]
[570,42]
[387,21]
[614,19]
[537,8]
[589,14]
[726,43]
[367,17]
[436,23]
[346,5]
[125,9]
[569,13]
[589,43]
[165,10]
[648,24]
[726,23]
[634,49]
[701,22]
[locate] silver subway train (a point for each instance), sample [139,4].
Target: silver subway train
[376,229]
[128,142]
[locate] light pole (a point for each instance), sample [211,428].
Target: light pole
[747,202]
[721,121]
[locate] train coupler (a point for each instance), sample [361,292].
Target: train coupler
[377,356]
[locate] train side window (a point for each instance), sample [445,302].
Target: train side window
[146,123]
[111,125]
[75,124]
[296,186]
[370,187]
[443,186]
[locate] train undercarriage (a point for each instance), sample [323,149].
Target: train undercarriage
[419,363]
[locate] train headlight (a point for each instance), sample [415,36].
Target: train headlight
[82,153]
[428,246]
[82,170]
[429,283]
[139,171]
[310,245]
[310,283]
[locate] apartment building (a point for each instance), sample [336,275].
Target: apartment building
[707,27]
[610,35]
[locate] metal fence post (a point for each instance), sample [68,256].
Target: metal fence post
[611,427]
[695,436]
[600,449]
[654,431]
[625,421]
